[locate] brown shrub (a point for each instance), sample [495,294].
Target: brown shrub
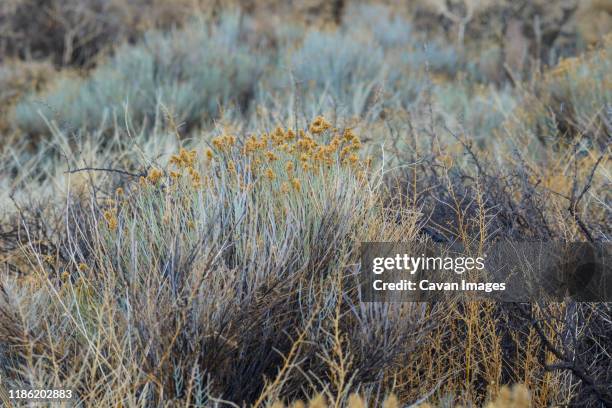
[72,32]
[594,19]
[17,78]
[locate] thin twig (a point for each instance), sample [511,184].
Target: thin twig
[125,173]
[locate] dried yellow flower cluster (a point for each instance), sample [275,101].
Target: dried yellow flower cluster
[186,160]
[196,180]
[321,146]
[301,150]
[295,183]
[319,125]
[224,142]
[154,175]
[283,160]
[111,219]
[303,147]
[270,174]
[258,156]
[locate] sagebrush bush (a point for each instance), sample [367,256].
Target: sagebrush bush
[571,101]
[365,66]
[206,71]
[18,79]
[475,109]
[336,64]
[193,73]
[236,249]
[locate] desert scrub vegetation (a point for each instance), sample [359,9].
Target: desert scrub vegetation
[226,68]
[571,100]
[231,251]
[181,214]
[247,246]
[18,78]
[74,33]
[515,397]
[193,72]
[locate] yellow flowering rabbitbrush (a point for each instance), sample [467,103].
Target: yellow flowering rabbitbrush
[283,160]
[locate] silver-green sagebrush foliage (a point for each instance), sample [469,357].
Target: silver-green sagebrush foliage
[202,71]
[195,73]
